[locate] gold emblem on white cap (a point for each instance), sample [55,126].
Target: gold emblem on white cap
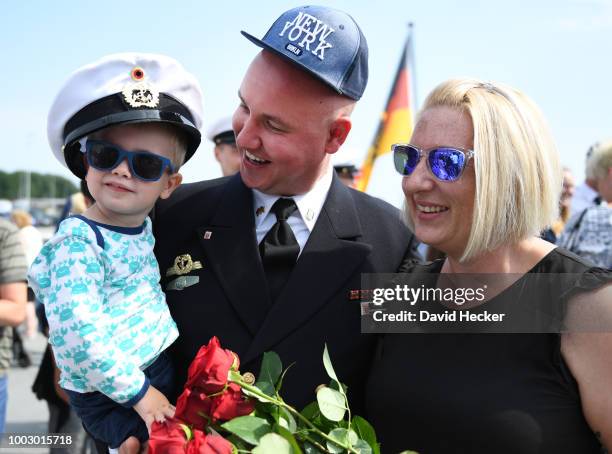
[140,93]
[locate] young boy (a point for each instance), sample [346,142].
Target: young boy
[125,124]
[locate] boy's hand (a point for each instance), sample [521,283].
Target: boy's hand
[132,446]
[154,407]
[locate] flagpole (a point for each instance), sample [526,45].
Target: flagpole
[415,103]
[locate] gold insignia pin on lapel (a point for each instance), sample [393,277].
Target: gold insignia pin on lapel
[183,264]
[259,211]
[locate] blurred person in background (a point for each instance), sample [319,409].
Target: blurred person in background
[75,204]
[31,240]
[585,194]
[589,233]
[13,297]
[226,151]
[347,173]
[553,232]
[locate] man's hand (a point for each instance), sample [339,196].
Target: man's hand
[154,407]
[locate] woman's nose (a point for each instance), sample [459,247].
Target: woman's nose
[420,179]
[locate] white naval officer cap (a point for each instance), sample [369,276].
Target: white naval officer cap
[119,89]
[221,131]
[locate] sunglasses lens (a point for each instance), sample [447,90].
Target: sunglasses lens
[405,159]
[447,163]
[103,157]
[147,166]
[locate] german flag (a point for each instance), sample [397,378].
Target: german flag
[396,121]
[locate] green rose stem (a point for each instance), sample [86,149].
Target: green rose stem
[237,378]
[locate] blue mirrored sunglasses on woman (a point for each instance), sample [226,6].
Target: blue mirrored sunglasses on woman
[144,165]
[445,163]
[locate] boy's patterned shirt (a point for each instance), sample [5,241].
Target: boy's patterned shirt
[108,318]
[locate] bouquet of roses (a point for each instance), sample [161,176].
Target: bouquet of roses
[222,411]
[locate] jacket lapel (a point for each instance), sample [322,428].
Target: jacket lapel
[230,246]
[331,255]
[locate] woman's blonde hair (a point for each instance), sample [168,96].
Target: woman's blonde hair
[518,173]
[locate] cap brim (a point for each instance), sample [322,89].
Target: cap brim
[260,43]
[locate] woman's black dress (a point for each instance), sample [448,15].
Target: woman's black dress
[481,393]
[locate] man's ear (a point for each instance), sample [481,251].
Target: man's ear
[172,183]
[338,131]
[217,153]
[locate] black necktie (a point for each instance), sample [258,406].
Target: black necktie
[279,249]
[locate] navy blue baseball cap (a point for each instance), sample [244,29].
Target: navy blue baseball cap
[326,42]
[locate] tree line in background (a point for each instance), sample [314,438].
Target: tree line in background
[14,185]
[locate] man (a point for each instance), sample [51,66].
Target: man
[13,298]
[347,173]
[226,152]
[585,194]
[271,259]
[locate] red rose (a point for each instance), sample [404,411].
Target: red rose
[208,444]
[231,404]
[193,407]
[167,437]
[208,371]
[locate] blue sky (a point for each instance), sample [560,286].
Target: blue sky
[557,52]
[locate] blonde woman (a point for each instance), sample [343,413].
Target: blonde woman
[482,179]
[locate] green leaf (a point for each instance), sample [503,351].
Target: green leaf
[313,414]
[362,447]
[343,437]
[286,420]
[311,411]
[366,432]
[328,365]
[271,369]
[264,409]
[331,404]
[250,428]
[342,388]
[290,438]
[273,444]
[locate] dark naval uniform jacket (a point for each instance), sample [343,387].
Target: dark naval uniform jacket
[213,223]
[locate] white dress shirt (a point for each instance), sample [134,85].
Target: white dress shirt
[302,220]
